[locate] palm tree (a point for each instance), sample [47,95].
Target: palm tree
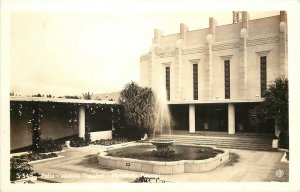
[275,107]
[87,96]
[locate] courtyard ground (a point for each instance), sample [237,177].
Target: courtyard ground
[80,165]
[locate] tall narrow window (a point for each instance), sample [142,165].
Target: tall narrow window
[227,78]
[195,81]
[263,75]
[168,82]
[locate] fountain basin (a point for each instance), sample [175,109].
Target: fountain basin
[164,167]
[162,145]
[162,142]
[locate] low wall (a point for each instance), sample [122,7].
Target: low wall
[164,168]
[101,135]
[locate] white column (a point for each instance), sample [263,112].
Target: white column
[231,118]
[192,118]
[81,117]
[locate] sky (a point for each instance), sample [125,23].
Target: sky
[70,52]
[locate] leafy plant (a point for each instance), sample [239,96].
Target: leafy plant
[71,97]
[19,169]
[283,140]
[118,122]
[138,106]
[35,156]
[143,179]
[35,128]
[275,106]
[87,96]
[107,142]
[78,142]
[48,145]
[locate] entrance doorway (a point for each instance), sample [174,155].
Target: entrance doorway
[211,117]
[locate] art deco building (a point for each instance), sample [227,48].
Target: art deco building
[214,76]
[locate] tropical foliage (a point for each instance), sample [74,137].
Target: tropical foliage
[275,107]
[138,104]
[87,96]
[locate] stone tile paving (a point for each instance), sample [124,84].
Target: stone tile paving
[244,166]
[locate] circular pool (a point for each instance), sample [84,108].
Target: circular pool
[188,159]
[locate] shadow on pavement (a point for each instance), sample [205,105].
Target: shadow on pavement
[233,158]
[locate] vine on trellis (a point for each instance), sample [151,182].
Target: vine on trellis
[37,110]
[35,127]
[73,117]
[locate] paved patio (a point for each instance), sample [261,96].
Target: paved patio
[80,165]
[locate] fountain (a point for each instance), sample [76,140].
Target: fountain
[162,125]
[142,156]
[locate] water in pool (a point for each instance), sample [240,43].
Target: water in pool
[147,152]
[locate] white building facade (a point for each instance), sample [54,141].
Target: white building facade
[214,76]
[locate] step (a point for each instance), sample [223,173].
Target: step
[224,134]
[210,137]
[206,139]
[226,141]
[229,142]
[250,143]
[230,138]
[250,146]
[264,148]
[221,139]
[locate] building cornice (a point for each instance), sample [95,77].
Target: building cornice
[61,100]
[217,101]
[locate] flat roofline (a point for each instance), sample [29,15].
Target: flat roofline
[61,100]
[223,25]
[219,101]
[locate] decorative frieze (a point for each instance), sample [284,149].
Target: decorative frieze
[193,50]
[224,46]
[167,52]
[162,53]
[262,41]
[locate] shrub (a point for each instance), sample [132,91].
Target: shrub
[35,156]
[275,107]
[138,105]
[78,142]
[144,179]
[107,142]
[283,140]
[19,169]
[48,145]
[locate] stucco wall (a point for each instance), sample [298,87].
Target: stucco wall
[264,26]
[54,124]
[253,80]
[262,35]
[169,40]
[196,37]
[227,32]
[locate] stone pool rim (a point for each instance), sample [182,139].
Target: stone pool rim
[164,167]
